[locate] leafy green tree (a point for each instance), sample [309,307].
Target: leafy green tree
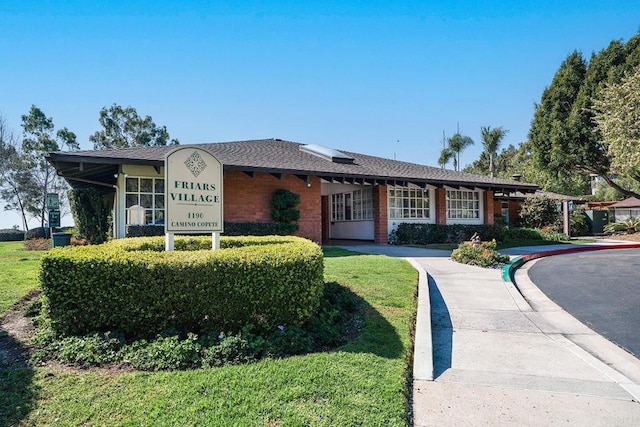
[618,119]
[123,127]
[15,175]
[491,139]
[538,212]
[456,144]
[567,144]
[39,138]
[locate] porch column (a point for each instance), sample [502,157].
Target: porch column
[380,214]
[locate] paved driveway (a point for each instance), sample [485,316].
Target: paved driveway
[601,289]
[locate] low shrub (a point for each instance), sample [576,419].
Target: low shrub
[37,244]
[522,233]
[37,233]
[11,235]
[424,234]
[134,286]
[483,255]
[230,229]
[338,320]
[630,225]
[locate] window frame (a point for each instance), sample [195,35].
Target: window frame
[156,195]
[355,205]
[408,203]
[465,206]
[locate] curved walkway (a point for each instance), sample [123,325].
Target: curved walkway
[487,354]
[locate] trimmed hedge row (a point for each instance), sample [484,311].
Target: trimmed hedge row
[424,234]
[131,285]
[230,229]
[11,235]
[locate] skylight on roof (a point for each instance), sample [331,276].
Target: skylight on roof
[330,154]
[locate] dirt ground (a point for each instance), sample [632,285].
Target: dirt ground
[635,237]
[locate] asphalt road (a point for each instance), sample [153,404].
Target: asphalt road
[601,289]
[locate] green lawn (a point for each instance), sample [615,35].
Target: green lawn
[18,273]
[361,383]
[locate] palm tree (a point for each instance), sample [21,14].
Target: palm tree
[445,156]
[458,143]
[491,139]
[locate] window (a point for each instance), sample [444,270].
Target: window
[144,201]
[505,212]
[463,204]
[356,205]
[408,202]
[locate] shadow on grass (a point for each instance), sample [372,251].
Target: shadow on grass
[441,330]
[335,252]
[17,392]
[378,336]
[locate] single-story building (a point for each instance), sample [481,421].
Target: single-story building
[625,209]
[344,195]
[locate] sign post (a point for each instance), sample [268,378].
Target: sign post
[193,191]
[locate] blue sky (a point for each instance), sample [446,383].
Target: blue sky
[353,75]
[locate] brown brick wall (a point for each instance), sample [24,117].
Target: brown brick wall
[380,214]
[489,207]
[248,199]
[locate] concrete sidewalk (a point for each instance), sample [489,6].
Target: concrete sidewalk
[485,355]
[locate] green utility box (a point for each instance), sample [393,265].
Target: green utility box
[60,239]
[597,220]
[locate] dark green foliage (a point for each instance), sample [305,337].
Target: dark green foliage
[522,233]
[484,255]
[230,229]
[579,224]
[165,353]
[133,286]
[37,233]
[11,235]
[337,320]
[565,139]
[284,209]
[144,230]
[424,234]
[89,214]
[538,212]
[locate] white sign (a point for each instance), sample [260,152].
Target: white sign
[193,192]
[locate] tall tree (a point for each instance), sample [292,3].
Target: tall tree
[15,175]
[618,119]
[39,139]
[123,127]
[491,139]
[566,142]
[458,143]
[445,157]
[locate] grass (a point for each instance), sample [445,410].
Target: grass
[18,273]
[361,383]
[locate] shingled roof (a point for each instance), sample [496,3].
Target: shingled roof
[278,157]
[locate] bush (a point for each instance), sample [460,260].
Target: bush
[424,234]
[37,244]
[538,212]
[630,225]
[89,214]
[522,233]
[11,235]
[144,230]
[134,286]
[37,233]
[579,223]
[284,209]
[484,255]
[337,320]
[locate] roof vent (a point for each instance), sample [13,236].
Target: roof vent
[330,154]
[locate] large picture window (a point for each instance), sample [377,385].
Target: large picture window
[462,204]
[355,205]
[405,203]
[144,201]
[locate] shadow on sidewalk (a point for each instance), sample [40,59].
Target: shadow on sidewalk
[441,330]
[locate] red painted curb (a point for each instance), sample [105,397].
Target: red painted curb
[537,255]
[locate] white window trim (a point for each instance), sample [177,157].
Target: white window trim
[358,209]
[474,221]
[129,212]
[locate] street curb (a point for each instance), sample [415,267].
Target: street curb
[509,270]
[423,347]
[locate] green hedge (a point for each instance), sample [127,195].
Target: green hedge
[11,235]
[131,285]
[424,234]
[230,229]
